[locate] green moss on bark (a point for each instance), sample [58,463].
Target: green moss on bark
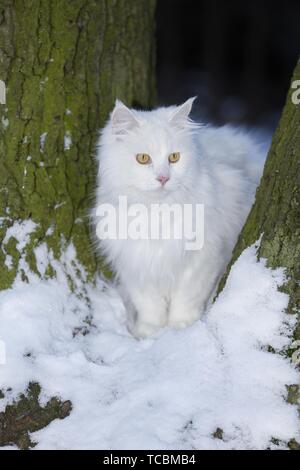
[64,63]
[275,215]
[26,415]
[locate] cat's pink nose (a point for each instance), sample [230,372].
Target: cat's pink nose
[162,179]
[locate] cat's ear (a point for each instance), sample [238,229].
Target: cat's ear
[122,119]
[181,113]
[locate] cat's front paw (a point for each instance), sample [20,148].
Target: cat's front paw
[179,320]
[179,325]
[142,329]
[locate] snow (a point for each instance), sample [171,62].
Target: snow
[67,141]
[5,122]
[21,231]
[170,391]
[8,261]
[42,141]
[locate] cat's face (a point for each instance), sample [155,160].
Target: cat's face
[148,151]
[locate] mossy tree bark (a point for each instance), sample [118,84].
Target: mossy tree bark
[275,215]
[63,63]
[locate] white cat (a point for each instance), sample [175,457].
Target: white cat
[161,156]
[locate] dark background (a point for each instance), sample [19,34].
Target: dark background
[237,56]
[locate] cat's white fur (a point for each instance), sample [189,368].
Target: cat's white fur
[161,283]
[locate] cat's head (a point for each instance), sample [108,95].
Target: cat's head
[148,150]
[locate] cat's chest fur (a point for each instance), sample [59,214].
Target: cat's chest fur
[154,246]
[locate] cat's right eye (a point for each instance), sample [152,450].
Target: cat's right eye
[174,157]
[143,158]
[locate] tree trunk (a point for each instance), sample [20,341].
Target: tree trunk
[275,215]
[63,63]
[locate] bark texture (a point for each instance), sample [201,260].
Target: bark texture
[64,63]
[275,217]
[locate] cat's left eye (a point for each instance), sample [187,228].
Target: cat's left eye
[174,157]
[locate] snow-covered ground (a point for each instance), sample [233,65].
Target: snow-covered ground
[171,391]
